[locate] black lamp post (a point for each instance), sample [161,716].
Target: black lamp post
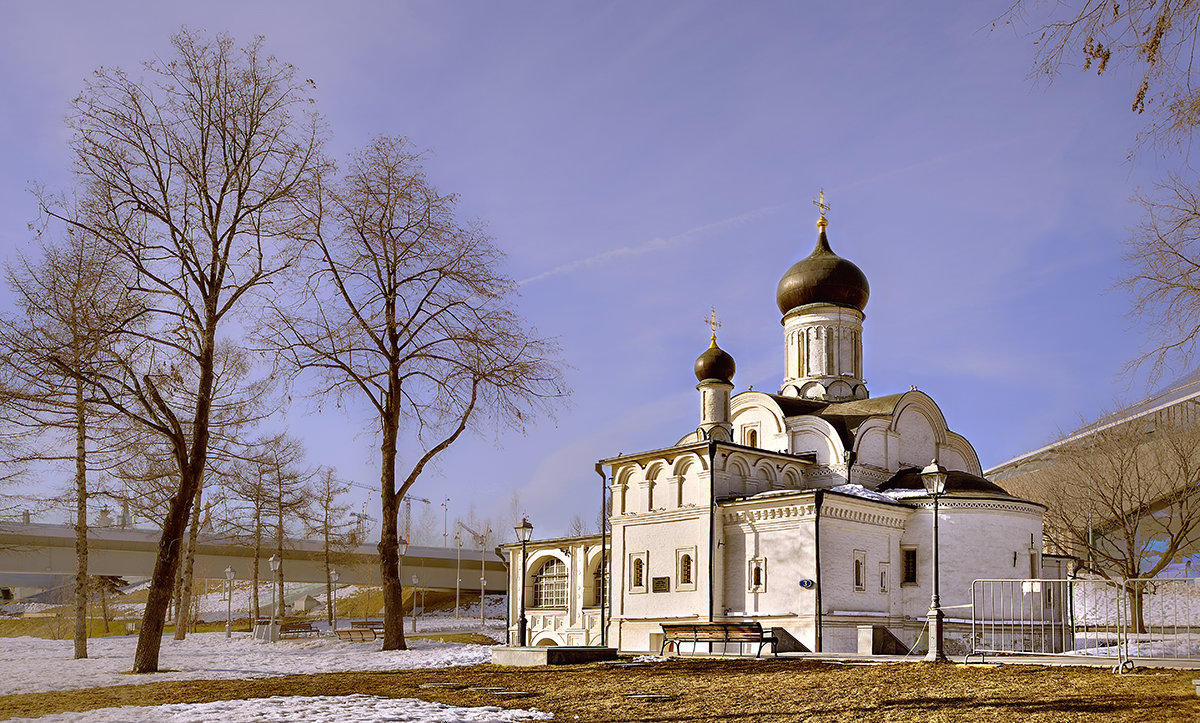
[524,532]
[333,581]
[934,479]
[229,602]
[402,548]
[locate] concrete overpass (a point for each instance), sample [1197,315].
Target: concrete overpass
[31,552]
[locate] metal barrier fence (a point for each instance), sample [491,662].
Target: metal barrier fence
[1144,619]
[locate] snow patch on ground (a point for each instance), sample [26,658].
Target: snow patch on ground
[301,709]
[32,665]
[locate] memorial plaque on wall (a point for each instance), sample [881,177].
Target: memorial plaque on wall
[661,584]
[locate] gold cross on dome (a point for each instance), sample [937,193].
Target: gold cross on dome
[820,203]
[714,324]
[824,209]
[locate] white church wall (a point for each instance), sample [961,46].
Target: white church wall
[657,543]
[978,540]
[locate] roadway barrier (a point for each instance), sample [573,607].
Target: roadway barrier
[1143,620]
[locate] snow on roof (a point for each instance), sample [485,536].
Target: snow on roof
[859,491]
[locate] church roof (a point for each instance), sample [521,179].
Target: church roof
[845,417]
[909,478]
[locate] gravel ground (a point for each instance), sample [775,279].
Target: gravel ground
[712,690]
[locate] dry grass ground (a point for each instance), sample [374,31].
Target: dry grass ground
[716,690]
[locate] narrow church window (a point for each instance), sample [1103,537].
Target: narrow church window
[550,585]
[883,581]
[637,572]
[860,571]
[751,437]
[685,570]
[909,573]
[757,577]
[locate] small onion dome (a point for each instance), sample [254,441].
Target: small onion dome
[715,364]
[823,277]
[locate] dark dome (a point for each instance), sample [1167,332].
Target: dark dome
[715,363]
[909,478]
[823,277]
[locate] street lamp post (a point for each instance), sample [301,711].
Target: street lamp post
[333,579]
[457,571]
[229,602]
[483,575]
[524,532]
[274,563]
[402,548]
[416,580]
[934,479]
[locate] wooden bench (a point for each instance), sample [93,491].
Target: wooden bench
[356,635]
[718,632]
[287,630]
[373,625]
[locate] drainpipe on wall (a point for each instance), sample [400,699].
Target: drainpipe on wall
[604,572]
[712,511]
[820,497]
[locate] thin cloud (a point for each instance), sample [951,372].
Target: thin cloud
[657,243]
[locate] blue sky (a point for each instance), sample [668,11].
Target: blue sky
[642,162]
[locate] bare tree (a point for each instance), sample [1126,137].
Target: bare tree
[1125,500]
[1157,40]
[72,303]
[282,458]
[328,521]
[190,177]
[406,309]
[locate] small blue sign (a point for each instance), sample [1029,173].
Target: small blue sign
[807,584]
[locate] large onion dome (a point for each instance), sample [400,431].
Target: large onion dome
[715,364]
[822,278]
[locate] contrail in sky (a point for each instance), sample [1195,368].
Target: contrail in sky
[657,243]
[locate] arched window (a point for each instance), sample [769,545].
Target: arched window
[599,585]
[757,576]
[685,570]
[550,585]
[639,572]
[751,437]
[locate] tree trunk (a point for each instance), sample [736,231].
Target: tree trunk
[81,526]
[254,582]
[182,612]
[1135,592]
[145,658]
[389,553]
[328,581]
[278,574]
[104,603]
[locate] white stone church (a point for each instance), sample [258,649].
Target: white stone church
[802,510]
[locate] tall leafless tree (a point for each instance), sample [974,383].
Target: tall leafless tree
[72,305]
[191,176]
[329,522]
[406,309]
[1124,500]
[1158,41]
